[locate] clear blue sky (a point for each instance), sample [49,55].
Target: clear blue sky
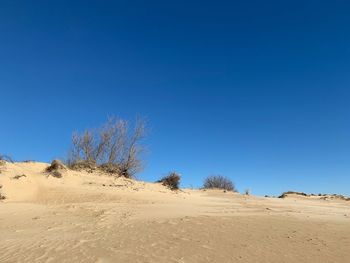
[258,91]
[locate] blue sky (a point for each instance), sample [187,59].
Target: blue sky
[254,90]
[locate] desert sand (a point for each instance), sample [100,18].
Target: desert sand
[90,217]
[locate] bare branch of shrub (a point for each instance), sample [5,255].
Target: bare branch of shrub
[219,182]
[6,158]
[114,148]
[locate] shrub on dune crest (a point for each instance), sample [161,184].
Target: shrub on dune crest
[219,182]
[56,165]
[56,168]
[82,165]
[172,181]
[5,158]
[114,148]
[285,194]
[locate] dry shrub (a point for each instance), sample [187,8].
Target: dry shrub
[172,181]
[114,148]
[5,158]
[110,168]
[56,174]
[89,166]
[56,165]
[285,194]
[2,163]
[219,182]
[56,168]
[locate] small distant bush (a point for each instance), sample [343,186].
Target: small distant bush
[113,148]
[219,182]
[5,158]
[172,181]
[285,194]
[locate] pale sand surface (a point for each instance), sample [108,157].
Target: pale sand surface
[86,217]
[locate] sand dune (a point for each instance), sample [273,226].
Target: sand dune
[84,217]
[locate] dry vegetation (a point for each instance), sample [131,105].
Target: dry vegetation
[56,168]
[3,159]
[172,181]
[285,194]
[114,148]
[6,158]
[219,182]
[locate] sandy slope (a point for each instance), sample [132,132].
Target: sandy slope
[94,218]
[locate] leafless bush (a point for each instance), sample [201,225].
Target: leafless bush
[219,182]
[172,181]
[6,158]
[55,165]
[114,148]
[56,168]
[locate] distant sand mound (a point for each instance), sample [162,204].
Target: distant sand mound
[314,196]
